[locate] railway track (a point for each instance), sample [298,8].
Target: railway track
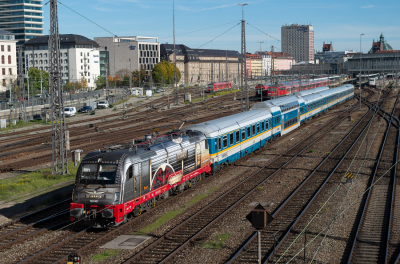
[166,247]
[124,133]
[292,209]
[370,243]
[67,243]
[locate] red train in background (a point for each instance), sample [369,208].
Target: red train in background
[214,87]
[286,88]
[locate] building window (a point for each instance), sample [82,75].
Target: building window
[3,60]
[35,61]
[88,61]
[81,60]
[10,71]
[88,80]
[60,54]
[88,74]
[88,67]
[2,47]
[40,62]
[81,53]
[140,60]
[65,54]
[45,61]
[81,67]
[66,68]
[65,61]
[3,71]
[35,55]
[4,82]
[9,59]
[141,55]
[88,53]
[45,55]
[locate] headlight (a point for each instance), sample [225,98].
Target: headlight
[116,197]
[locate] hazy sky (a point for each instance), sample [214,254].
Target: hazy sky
[338,21]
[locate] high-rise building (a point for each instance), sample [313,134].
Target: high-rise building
[298,41]
[23,18]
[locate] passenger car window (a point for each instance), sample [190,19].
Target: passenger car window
[237,136]
[231,142]
[248,132]
[243,134]
[225,138]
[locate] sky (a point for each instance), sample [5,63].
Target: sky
[214,24]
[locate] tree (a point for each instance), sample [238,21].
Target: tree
[100,82]
[143,77]
[163,72]
[34,80]
[83,82]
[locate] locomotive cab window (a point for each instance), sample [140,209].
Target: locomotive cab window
[129,172]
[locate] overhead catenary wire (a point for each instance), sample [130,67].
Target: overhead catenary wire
[194,31]
[114,35]
[218,35]
[336,189]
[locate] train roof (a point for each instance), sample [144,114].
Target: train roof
[227,124]
[322,94]
[310,91]
[274,105]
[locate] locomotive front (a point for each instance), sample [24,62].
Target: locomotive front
[97,191]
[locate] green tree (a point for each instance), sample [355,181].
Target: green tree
[163,72]
[100,82]
[143,77]
[34,81]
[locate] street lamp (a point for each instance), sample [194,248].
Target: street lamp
[359,80]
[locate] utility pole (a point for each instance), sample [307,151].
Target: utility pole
[243,50]
[130,74]
[273,87]
[226,65]
[59,146]
[360,69]
[175,79]
[107,87]
[41,83]
[21,84]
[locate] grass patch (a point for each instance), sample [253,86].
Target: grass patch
[312,150]
[160,221]
[170,215]
[105,255]
[21,124]
[198,198]
[33,182]
[217,242]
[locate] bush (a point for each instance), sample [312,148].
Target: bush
[111,105]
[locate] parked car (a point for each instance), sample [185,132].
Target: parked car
[86,109]
[103,104]
[69,111]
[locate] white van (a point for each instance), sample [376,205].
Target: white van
[69,111]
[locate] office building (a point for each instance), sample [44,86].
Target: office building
[79,57]
[129,53]
[298,41]
[23,18]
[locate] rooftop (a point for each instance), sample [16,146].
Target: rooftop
[64,39]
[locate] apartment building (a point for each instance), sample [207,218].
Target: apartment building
[8,60]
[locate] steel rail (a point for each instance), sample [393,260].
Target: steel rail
[369,188]
[196,234]
[22,218]
[300,214]
[392,199]
[250,239]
